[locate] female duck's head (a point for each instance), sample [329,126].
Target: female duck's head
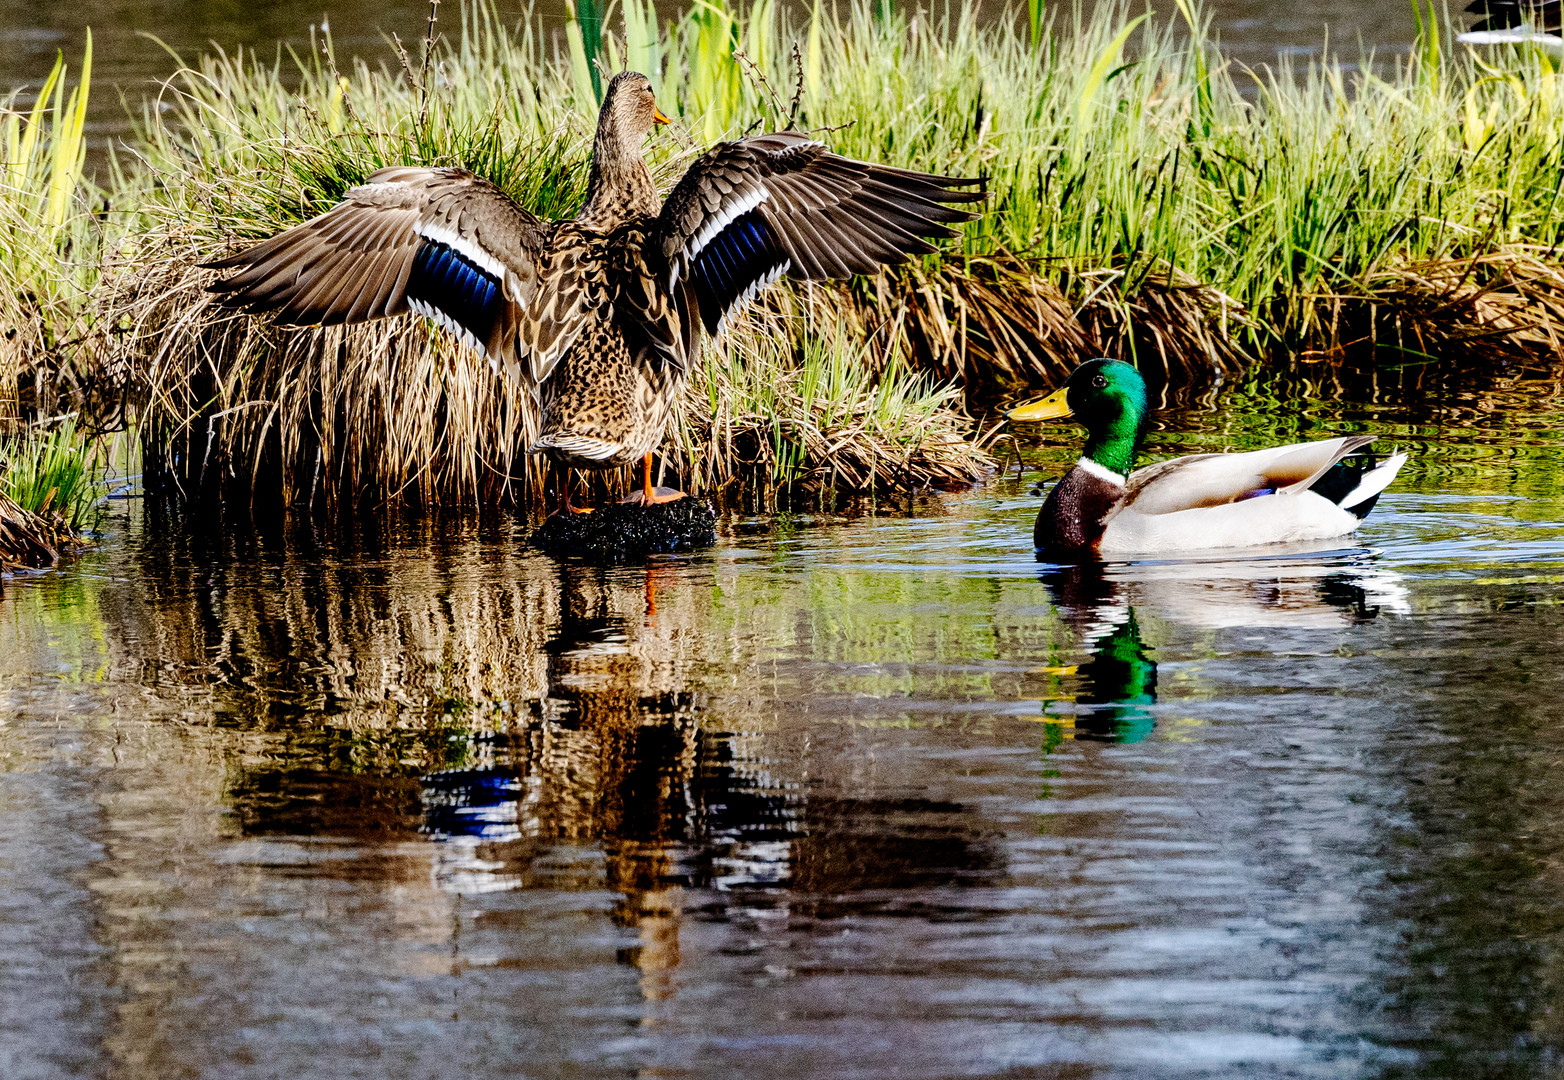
[620,185]
[629,111]
[1108,397]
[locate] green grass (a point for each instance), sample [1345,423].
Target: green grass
[1150,200]
[54,475]
[766,421]
[48,242]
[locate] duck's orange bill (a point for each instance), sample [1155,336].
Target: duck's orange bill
[1051,407]
[658,117]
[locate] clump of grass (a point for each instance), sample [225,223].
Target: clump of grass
[49,497]
[47,237]
[53,475]
[768,418]
[27,541]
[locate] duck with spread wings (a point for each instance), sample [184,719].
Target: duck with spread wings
[599,316]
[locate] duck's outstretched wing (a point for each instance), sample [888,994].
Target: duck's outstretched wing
[751,211]
[441,242]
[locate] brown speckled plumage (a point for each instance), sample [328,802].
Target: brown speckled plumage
[599,316]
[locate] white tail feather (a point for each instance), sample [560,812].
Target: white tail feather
[584,447]
[1374,481]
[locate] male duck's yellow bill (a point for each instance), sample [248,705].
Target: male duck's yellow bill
[1051,407]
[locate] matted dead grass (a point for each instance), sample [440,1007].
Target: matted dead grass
[27,540]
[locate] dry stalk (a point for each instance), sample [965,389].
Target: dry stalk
[423,73]
[798,88]
[752,71]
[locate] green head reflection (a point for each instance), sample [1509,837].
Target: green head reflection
[1117,683]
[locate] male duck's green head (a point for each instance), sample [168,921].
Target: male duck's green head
[1108,397]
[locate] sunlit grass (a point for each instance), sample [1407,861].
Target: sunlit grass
[50,493]
[47,241]
[54,474]
[827,418]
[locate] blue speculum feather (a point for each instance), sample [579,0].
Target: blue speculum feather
[448,281]
[735,258]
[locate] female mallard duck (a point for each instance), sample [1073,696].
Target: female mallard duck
[599,316]
[1305,491]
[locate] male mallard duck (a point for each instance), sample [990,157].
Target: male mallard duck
[1305,491]
[599,316]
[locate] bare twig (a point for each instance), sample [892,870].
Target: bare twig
[754,74]
[407,63]
[798,88]
[338,81]
[831,128]
[423,84]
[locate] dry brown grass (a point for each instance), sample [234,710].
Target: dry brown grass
[28,540]
[395,411]
[1504,305]
[1004,321]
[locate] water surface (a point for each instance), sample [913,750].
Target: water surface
[132,42]
[873,796]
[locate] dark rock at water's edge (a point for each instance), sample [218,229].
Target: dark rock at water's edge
[624,532]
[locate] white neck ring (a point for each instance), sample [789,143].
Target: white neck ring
[1099,471]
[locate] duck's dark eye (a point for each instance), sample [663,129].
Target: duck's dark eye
[1099,380]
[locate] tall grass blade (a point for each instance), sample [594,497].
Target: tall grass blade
[68,152]
[1098,75]
[583,32]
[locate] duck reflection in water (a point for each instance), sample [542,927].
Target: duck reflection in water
[1293,589]
[1118,680]
[609,760]
[1117,683]
[560,751]
[616,761]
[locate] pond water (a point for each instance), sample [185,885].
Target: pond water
[131,40]
[873,796]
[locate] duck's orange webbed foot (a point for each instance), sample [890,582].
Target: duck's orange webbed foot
[655,496]
[566,507]
[650,495]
